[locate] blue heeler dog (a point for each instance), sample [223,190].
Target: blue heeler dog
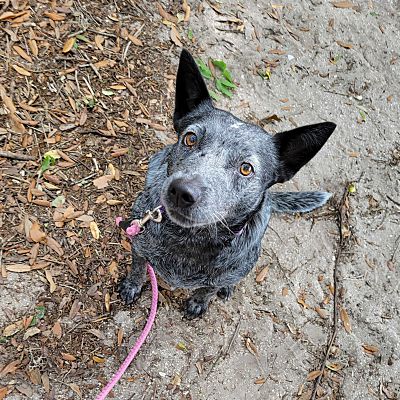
[213,184]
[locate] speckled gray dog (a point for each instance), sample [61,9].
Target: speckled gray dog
[214,186]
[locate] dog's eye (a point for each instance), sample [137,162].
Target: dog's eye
[190,139]
[246,169]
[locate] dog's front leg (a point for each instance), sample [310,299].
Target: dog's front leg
[131,286]
[197,303]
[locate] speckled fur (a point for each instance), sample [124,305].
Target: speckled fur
[198,247]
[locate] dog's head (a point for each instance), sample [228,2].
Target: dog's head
[221,167]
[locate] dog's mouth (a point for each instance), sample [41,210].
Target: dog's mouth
[183,220]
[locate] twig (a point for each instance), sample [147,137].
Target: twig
[222,354]
[16,156]
[334,329]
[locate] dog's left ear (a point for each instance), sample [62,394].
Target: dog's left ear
[298,146]
[191,89]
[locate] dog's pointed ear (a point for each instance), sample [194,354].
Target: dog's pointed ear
[191,89]
[298,146]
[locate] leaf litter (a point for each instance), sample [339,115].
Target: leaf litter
[84,124]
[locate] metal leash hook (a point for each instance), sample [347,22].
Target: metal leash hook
[153,215]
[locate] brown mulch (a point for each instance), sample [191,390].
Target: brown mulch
[92,84]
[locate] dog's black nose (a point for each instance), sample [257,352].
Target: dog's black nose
[183,193]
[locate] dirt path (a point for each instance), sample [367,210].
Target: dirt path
[105,103]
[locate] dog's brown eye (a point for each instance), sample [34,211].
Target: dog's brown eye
[246,169]
[190,139]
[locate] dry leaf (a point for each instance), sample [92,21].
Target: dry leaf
[33,47]
[31,332]
[50,279]
[55,16]
[36,234]
[165,15]
[34,376]
[313,375]
[21,52]
[19,268]
[12,329]
[343,4]
[76,305]
[3,392]
[370,349]
[69,44]
[46,382]
[99,40]
[262,275]
[126,245]
[175,37]
[136,41]
[97,333]
[107,301]
[321,312]
[103,181]
[120,335]
[285,291]
[54,245]
[153,125]
[68,357]
[344,45]
[10,368]
[345,320]
[94,229]
[57,330]
[98,359]
[334,366]
[105,63]
[260,381]
[21,70]
[277,51]
[113,202]
[76,389]
[251,347]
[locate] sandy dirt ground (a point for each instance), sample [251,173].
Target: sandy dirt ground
[320,61]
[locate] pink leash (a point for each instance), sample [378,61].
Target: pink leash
[153,310]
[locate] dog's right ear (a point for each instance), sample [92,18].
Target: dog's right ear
[191,89]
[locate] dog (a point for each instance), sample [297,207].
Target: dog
[214,186]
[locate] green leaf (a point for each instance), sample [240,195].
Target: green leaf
[48,160]
[226,73]
[363,115]
[3,340]
[219,64]
[205,71]
[222,88]
[190,34]
[352,188]
[40,312]
[213,95]
[83,38]
[226,83]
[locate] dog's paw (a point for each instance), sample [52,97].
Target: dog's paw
[194,308]
[129,291]
[225,292]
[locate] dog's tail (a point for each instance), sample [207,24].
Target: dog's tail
[292,202]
